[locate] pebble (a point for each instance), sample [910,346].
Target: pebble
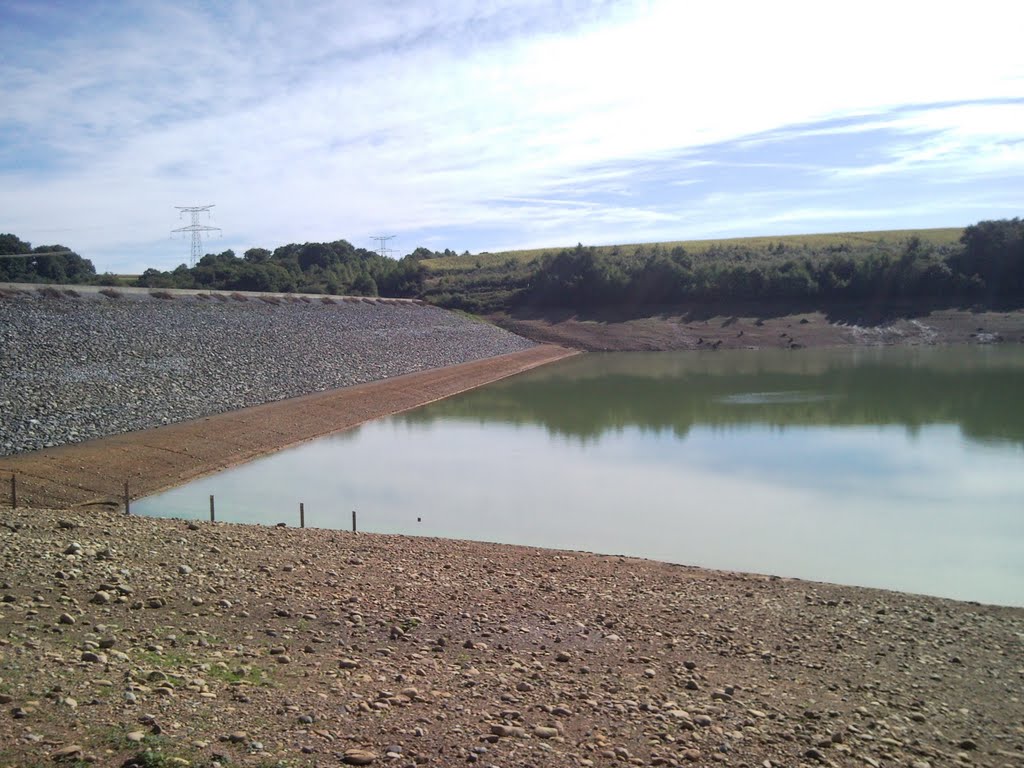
[70,752]
[358,757]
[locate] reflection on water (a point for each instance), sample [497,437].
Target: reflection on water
[776,398]
[976,388]
[893,468]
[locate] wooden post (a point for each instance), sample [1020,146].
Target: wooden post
[302,515]
[127,500]
[14,490]
[353,521]
[211,508]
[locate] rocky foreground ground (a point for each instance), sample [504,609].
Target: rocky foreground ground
[86,365]
[170,643]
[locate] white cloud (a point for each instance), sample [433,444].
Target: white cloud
[341,120]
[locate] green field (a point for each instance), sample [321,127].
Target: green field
[892,238]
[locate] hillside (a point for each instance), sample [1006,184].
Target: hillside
[981,263]
[944,236]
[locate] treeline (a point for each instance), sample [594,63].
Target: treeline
[987,264]
[329,268]
[21,263]
[333,268]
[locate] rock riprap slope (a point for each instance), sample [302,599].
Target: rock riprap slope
[184,643]
[75,368]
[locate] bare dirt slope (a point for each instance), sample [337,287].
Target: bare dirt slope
[164,643]
[155,459]
[702,328]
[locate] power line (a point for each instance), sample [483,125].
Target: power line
[195,228]
[33,255]
[383,239]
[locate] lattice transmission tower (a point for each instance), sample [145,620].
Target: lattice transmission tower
[382,249]
[195,228]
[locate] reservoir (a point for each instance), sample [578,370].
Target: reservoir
[899,468]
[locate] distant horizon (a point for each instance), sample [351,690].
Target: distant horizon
[553,248]
[501,125]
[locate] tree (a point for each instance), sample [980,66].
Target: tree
[257,255]
[364,285]
[994,252]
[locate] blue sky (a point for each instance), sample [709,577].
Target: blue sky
[501,124]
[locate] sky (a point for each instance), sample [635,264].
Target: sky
[501,124]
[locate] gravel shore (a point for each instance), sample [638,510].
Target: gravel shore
[76,368]
[132,641]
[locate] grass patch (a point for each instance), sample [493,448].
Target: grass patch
[275,300]
[326,300]
[111,293]
[251,676]
[49,293]
[218,296]
[512,260]
[177,659]
[165,295]
[239,296]
[71,293]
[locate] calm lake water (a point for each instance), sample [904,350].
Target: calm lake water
[894,468]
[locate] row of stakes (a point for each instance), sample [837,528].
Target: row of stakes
[128,504]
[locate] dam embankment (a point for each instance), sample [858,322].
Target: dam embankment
[97,391]
[77,368]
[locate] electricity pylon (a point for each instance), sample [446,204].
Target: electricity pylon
[195,228]
[382,239]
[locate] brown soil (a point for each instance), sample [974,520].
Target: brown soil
[95,472]
[704,328]
[163,643]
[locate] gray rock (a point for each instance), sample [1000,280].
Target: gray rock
[131,364]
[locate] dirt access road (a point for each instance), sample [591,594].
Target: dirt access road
[95,472]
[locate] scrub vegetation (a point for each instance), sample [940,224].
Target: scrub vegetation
[982,263]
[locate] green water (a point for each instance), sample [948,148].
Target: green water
[894,468]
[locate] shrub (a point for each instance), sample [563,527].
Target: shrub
[110,293]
